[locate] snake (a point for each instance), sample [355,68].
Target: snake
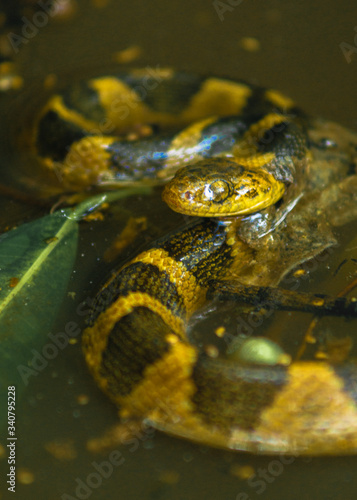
[225,149]
[239,150]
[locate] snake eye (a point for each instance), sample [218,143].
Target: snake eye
[217,191]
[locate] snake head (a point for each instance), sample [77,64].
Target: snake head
[221,187]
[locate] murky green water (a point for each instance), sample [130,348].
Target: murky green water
[299,54]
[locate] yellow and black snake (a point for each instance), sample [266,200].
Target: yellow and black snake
[145,124]
[136,345]
[247,149]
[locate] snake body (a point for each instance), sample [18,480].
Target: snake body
[136,344]
[144,125]
[247,148]
[139,354]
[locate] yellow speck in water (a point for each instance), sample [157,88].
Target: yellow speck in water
[299,272]
[169,477]
[83,399]
[242,471]
[318,302]
[25,476]
[62,450]
[250,44]
[211,351]
[65,10]
[128,55]
[321,355]
[50,81]
[310,339]
[9,79]
[220,331]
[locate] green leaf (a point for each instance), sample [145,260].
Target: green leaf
[36,261]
